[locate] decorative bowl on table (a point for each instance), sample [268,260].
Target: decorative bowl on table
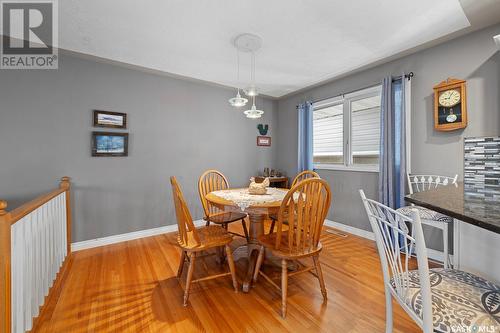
[258,188]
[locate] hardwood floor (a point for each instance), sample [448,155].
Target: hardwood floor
[131,287]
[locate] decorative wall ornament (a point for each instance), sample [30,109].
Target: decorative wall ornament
[263,129]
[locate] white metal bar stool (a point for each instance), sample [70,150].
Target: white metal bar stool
[419,183]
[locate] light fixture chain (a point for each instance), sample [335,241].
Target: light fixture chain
[238,71]
[253,68]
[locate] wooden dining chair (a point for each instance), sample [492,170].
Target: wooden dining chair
[305,206]
[213,180]
[193,240]
[439,300]
[300,177]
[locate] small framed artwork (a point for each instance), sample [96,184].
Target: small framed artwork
[109,144]
[264,141]
[110,119]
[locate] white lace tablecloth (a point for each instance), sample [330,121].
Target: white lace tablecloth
[243,199]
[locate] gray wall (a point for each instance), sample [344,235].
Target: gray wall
[176,127]
[179,127]
[473,57]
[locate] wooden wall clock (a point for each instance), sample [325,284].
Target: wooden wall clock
[450,105]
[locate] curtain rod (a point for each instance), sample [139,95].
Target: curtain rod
[395,78]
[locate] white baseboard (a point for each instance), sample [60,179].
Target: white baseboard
[352,230]
[88,244]
[91,243]
[431,253]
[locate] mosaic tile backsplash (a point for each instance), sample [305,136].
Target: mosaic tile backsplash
[482,168]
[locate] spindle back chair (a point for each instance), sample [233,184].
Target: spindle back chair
[307,174]
[213,180]
[305,208]
[193,240]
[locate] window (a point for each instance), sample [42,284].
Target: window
[346,131]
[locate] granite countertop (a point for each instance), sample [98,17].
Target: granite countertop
[451,200]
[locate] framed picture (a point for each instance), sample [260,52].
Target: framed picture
[109,144]
[264,141]
[110,119]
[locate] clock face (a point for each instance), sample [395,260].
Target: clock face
[449,98]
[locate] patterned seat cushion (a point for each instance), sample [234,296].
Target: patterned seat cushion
[461,301]
[425,214]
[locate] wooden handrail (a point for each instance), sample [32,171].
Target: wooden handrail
[7,219]
[21,211]
[5,296]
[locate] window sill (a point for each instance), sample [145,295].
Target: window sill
[353,168]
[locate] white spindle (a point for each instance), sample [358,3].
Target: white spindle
[39,247]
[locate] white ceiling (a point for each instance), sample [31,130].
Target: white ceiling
[304,42]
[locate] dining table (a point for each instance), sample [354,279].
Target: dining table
[476,226]
[258,207]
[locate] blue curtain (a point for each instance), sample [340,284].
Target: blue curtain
[392,173]
[305,144]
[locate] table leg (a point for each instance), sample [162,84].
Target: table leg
[252,249]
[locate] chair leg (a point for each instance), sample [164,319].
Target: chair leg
[319,272]
[219,251]
[445,246]
[207,224]
[260,258]
[245,230]
[284,286]
[192,257]
[181,264]
[230,262]
[388,311]
[271,230]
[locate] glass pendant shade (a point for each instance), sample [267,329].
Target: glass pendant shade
[253,113]
[238,101]
[251,91]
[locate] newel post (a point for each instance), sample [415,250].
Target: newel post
[5,283]
[66,185]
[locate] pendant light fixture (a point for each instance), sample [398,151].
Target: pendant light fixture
[253,113]
[248,43]
[238,101]
[251,90]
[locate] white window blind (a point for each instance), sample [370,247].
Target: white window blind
[346,131]
[328,132]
